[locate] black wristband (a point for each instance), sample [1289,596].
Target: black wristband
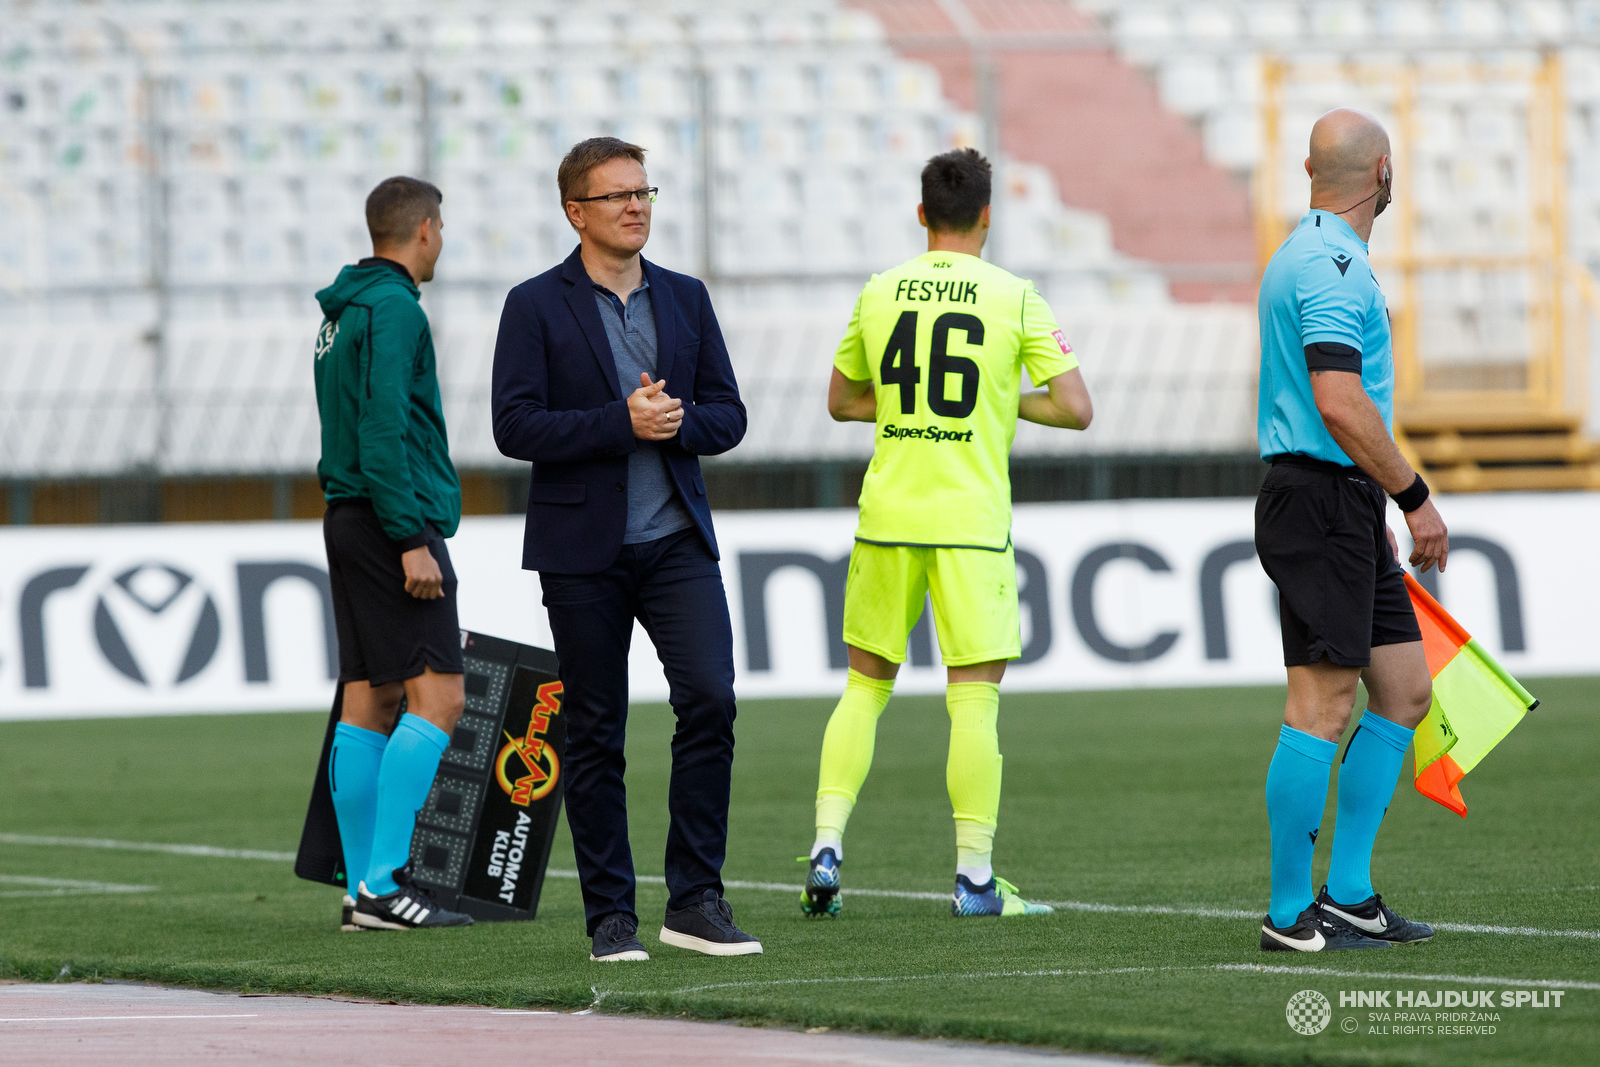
[1412,497]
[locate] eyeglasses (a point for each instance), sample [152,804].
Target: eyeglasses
[645,196]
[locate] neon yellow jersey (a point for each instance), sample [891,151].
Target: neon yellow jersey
[944,338]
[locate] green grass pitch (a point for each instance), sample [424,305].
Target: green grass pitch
[1126,798]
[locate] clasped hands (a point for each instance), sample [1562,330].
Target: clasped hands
[656,416]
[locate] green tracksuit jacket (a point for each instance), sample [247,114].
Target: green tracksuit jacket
[383,435]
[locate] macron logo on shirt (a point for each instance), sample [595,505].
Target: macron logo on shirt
[1341,261]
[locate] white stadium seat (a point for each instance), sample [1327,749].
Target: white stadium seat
[272,119]
[1192,85]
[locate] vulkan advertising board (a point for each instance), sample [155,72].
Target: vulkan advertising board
[122,620]
[483,835]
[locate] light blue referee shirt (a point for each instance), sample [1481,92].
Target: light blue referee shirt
[1318,289]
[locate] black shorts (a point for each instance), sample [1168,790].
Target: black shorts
[1320,535]
[385,633]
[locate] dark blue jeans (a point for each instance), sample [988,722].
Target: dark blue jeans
[673,587]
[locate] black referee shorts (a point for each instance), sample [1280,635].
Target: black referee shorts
[1320,537]
[385,634]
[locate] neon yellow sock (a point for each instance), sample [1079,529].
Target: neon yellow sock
[972,772]
[847,752]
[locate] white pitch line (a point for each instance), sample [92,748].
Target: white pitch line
[148,846]
[910,978]
[1245,968]
[118,1018]
[1471,979]
[1518,931]
[63,887]
[779,887]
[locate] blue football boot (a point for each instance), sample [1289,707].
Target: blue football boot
[820,897]
[995,897]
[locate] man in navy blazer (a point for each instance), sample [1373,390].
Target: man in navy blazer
[611,377]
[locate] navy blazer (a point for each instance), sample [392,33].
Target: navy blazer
[557,403]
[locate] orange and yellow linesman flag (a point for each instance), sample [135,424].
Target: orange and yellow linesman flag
[1476,703]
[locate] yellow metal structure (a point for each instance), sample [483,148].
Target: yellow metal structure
[1511,422]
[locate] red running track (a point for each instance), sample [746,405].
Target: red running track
[150,1026]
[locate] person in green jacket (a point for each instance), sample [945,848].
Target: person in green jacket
[393,497]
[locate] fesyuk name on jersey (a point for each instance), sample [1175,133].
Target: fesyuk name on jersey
[944,338]
[940,291]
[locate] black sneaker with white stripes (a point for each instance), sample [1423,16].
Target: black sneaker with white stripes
[1375,919]
[347,915]
[1314,932]
[411,907]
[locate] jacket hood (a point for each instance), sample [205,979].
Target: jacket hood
[354,280]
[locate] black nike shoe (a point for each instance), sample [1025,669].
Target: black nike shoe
[616,940]
[1314,932]
[411,907]
[1375,919]
[707,926]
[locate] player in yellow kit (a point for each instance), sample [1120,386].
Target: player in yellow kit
[934,356]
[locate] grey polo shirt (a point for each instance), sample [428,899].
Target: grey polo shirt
[654,507]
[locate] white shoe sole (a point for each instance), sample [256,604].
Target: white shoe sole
[631,956]
[710,948]
[372,922]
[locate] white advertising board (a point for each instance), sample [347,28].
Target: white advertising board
[131,620]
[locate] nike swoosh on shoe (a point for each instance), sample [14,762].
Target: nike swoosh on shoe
[1314,943]
[1372,926]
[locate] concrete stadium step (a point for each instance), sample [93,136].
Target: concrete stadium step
[1471,478]
[1488,412]
[1451,448]
[1479,442]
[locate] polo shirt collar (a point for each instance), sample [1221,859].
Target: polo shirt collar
[616,301]
[1328,220]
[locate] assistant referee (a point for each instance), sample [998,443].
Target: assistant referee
[1325,417]
[393,497]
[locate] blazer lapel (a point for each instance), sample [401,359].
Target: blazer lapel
[666,315]
[580,297]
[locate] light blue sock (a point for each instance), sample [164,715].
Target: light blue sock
[353,776]
[409,764]
[1366,785]
[1297,790]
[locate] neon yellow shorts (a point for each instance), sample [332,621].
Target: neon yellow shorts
[974,595]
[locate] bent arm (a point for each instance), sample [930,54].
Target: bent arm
[850,400]
[714,419]
[1064,403]
[524,426]
[1357,427]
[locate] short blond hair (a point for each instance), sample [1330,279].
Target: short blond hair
[572,177]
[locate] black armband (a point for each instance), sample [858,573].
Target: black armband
[1412,497]
[1331,355]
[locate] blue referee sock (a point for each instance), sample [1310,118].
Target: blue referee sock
[1297,791]
[409,764]
[353,776]
[1366,785]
